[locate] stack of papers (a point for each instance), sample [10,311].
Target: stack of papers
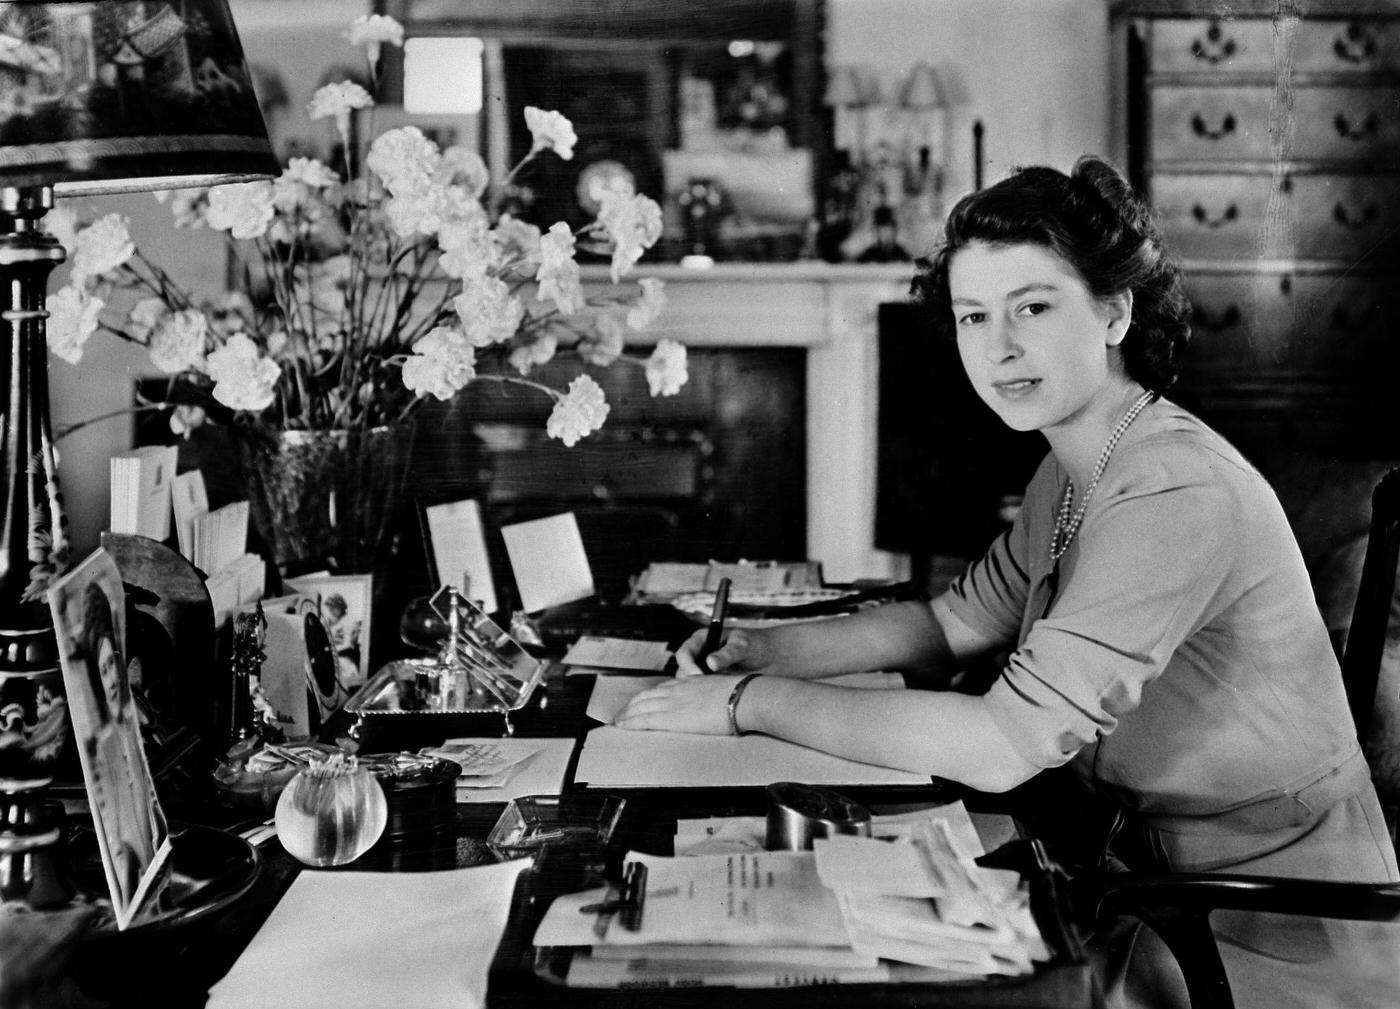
[925,901]
[748,920]
[909,902]
[140,490]
[501,769]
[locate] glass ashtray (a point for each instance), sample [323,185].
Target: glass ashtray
[532,821]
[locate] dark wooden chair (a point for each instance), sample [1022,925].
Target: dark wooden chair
[1177,906]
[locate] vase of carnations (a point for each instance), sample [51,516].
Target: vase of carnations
[333,495]
[360,296]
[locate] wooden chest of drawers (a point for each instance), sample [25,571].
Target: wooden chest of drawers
[1269,145]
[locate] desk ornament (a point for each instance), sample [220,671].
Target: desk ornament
[799,814]
[332,812]
[478,669]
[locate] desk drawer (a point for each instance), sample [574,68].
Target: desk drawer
[1323,324]
[1238,123]
[1297,216]
[1221,47]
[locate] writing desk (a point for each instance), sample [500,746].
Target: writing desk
[177,970]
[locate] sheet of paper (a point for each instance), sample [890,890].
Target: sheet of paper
[457,537]
[365,940]
[865,865]
[485,757]
[189,498]
[770,898]
[549,562]
[618,653]
[541,774]
[618,758]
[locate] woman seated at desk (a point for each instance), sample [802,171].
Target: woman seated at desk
[1163,637]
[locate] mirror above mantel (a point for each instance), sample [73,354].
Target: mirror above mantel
[713,108]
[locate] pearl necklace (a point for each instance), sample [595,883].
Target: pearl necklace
[1067,527]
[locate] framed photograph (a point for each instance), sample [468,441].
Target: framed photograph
[89,613]
[343,604]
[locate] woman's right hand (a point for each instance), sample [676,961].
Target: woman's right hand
[739,652]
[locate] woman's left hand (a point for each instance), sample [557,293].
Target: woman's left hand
[698,704]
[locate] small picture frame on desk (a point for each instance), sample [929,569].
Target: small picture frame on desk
[343,604]
[89,613]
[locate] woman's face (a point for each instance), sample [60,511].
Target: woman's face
[107,667]
[1034,342]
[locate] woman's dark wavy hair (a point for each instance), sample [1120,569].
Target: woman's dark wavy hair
[96,627]
[1092,219]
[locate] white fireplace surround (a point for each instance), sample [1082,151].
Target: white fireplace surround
[831,311]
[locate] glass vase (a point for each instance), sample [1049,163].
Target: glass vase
[328,495]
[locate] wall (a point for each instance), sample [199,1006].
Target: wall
[1036,72]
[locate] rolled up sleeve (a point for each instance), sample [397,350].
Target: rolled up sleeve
[990,596]
[1148,570]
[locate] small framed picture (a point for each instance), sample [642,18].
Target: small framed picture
[89,614]
[343,604]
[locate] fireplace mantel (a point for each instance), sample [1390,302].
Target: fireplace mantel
[831,311]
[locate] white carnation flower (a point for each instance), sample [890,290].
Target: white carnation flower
[372,31]
[468,247]
[339,100]
[101,247]
[178,342]
[604,345]
[464,168]
[72,319]
[581,412]
[666,368]
[62,223]
[489,312]
[243,209]
[646,308]
[539,351]
[558,274]
[633,223]
[517,237]
[144,317]
[550,131]
[404,158]
[243,379]
[441,364]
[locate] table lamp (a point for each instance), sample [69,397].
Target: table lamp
[95,98]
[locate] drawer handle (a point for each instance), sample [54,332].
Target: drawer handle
[1228,319]
[1358,45]
[1366,128]
[1213,49]
[1202,216]
[1227,126]
[1369,214]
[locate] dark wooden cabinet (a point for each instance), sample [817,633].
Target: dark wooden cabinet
[1267,138]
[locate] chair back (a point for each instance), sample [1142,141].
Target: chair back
[1361,661]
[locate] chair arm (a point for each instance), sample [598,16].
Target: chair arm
[1177,907]
[1127,893]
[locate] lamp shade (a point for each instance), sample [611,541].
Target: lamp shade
[122,96]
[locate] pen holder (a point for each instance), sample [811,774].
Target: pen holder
[799,814]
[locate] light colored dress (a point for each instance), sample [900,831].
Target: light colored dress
[1177,661]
